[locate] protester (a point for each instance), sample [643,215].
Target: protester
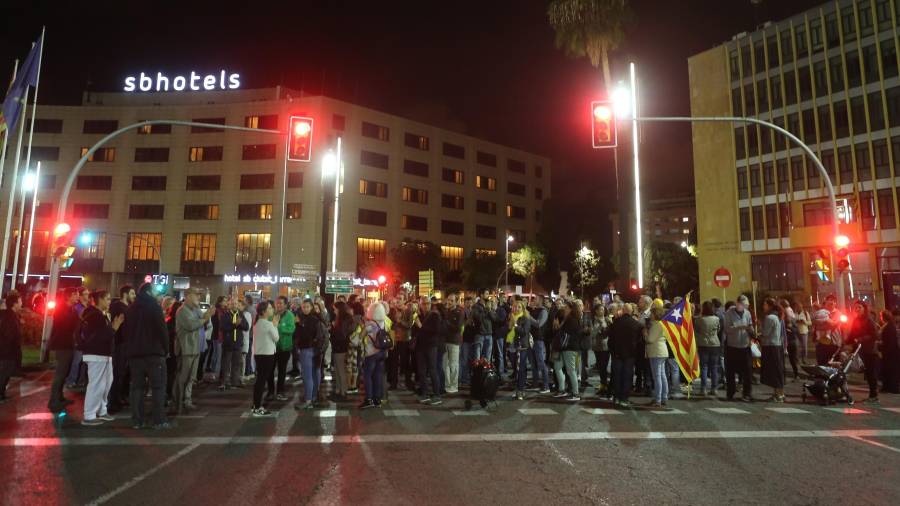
[426,353]
[62,343]
[791,335]
[189,320]
[375,332]
[310,337]
[657,353]
[624,335]
[344,327]
[119,392]
[455,319]
[484,326]
[864,332]
[145,330]
[170,308]
[286,326]
[772,342]
[521,341]
[890,342]
[709,348]
[538,352]
[803,322]
[249,317]
[77,379]
[738,332]
[827,327]
[10,340]
[96,344]
[265,340]
[600,343]
[231,327]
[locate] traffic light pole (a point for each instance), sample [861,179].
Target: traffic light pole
[809,152]
[73,176]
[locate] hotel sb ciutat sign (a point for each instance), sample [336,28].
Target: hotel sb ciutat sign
[190,82]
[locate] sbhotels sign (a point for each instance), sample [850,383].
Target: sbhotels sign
[192,82]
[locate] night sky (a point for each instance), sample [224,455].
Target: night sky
[488,68]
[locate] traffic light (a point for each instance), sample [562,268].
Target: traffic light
[603,124]
[85,239]
[300,139]
[62,247]
[381,279]
[842,255]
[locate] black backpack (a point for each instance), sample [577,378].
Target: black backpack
[382,340]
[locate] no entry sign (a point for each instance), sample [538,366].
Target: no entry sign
[722,277]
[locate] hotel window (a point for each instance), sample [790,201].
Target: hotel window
[198,253]
[338,122]
[539,193]
[374,131]
[886,209]
[790,88]
[755,188]
[752,138]
[154,129]
[515,188]
[488,159]
[848,24]
[486,207]
[93,183]
[779,272]
[515,166]
[768,178]
[828,163]
[486,183]
[151,154]
[91,211]
[800,38]
[515,212]
[781,173]
[39,250]
[258,152]
[485,232]
[889,58]
[865,18]
[372,217]
[882,162]
[866,211]
[854,73]
[252,253]
[95,249]
[415,195]
[784,219]
[43,153]
[452,201]
[815,34]
[142,252]
[758,225]
[452,227]
[816,214]
[43,210]
[745,224]
[809,126]
[538,171]
[824,123]
[883,14]
[740,150]
[146,212]
[485,253]
[265,181]
[863,168]
[204,130]
[47,126]
[453,176]
[410,222]
[893,106]
[100,155]
[832,34]
[837,74]
[763,96]
[415,168]
[100,126]
[201,212]
[295,180]
[205,153]
[372,188]
[148,183]
[876,112]
[453,257]
[820,79]
[771,221]
[845,164]
[203,183]
[798,179]
[254,211]
[370,252]
[749,100]
[265,122]
[416,141]
[454,151]
[371,159]
[293,211]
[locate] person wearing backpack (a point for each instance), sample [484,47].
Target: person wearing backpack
[310,337]
[377,344]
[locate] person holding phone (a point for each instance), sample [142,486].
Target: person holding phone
[738,331]
[96,345]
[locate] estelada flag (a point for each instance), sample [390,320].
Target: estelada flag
[14,102]
[679,326]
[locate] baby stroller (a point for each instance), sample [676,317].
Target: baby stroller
[485,382]
[829,382]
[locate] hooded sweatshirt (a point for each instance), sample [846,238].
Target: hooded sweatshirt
[146,334]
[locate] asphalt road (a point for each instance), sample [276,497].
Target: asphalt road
[539,451]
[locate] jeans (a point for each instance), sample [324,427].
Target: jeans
[76,375]
[501,359]
[215,360]
[466,355]
[570,358]
[311,376]
[803,348]
[541,375]
[622,375]
[661,386]
[426,363]
[281,361]
[405,364]
[522,371]
[709,366]
[451,368]
[674,376]
[142,368]
[737,361]
[265,364]
[230,368]
[63,364]
[184,387]
[373,370]
[97,393]
[249,366]
[484,346]
[559,371]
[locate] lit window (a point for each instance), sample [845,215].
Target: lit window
[370,251]
[453,256]
[685,231]
[252,252]
[685,219]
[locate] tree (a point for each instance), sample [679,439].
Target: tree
[589,28]
[527,261]
[481,271]
[585,268]
[671,269]
[412,256]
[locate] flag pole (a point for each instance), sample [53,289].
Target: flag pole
[6,136]
[37,83]
[34,202]
[12,201]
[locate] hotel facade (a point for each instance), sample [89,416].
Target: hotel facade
[204,206]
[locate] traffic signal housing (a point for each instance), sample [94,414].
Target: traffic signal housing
[603,124]
[842,254]
[62,248]
[300,139]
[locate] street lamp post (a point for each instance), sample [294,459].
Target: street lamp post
[509,239]
[36,181]
[329,168]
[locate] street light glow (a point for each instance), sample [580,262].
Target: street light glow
[29,182]
[329,164]
[510,239]
[602,112]
[683,244]
[621,98]
[842,241]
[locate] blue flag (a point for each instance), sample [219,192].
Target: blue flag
[15,97]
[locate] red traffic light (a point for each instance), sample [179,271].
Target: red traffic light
[842,241]
[603,124]
[843,318]
[381,279]
[634,287]
[62,229]
[300,139]
[51,305]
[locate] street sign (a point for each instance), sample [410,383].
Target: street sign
[426,283]
[722,277]
[339,283]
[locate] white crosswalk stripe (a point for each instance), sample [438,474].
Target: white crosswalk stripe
[601,411]
[537,411]
[331,413]
[470,413]
[894,410]
[729,411]
[849,411]
[401,412]
[790,411]
[672,411]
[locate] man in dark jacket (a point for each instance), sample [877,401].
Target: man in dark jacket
[484,327]
[310,337]
[118,393]
[62,343]
[624,335]
[232,325]
[148,343]
[426,352]
[10,340]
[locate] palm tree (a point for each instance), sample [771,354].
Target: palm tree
[589,28]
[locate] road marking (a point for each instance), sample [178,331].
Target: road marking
[331,413]
[27,388]
[895,410]
[470,413]
[537,411]
[875,443]
[272,414]
[790,411]
[672,411]
[601,411]
[849,411]
[439,438]
[401,412]
[141,477]
[38,416]
[729,411]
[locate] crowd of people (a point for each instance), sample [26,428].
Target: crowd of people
[144,345]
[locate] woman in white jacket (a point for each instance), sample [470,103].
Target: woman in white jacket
[265,337]
[657,353]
